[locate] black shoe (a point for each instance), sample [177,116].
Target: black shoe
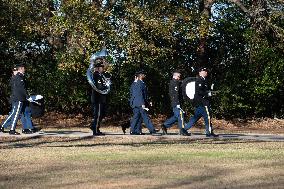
[155,132]
[140,133]
[184,132]
[212,135]
[98,134]
[2,130]
[26,131]
[164,129]
[36,129]
[13,132]
[133,133]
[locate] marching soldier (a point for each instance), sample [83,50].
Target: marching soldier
[18,100]
[202,103]
[139,103]
[176,99]
[99,100]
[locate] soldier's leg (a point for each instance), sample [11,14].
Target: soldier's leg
[135,119]
[207,119]
[101,115]
[147,120]
[15,117]
[8,120]
[193,119]
[96,118]
[138,126]
[169,122]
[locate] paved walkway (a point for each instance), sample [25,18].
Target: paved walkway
[195,135]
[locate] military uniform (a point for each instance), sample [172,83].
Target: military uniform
[201,102]
[99,101]
[19,102]
[178,114]
[138,99]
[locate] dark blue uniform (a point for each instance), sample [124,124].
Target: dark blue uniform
[99,102]
[19,102]
[138,98]
[176,99]
[201,102]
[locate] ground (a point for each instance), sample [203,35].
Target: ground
[124,161]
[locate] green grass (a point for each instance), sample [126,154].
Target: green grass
[98,163]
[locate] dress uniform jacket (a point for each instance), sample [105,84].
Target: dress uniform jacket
[19,91]
[101,85]
[139,95]
[201,97]
[175,92]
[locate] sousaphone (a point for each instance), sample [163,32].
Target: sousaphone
[107,59]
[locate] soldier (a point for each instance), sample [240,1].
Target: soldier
[201,102]
[139,103]
[18,100]
[99,100]
[176,99]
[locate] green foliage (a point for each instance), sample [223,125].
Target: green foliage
[56,40]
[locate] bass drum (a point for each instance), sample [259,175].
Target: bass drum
[188,88]
[37,106]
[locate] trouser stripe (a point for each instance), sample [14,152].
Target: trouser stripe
[181,117]
[209,120]
[9,117]
[16,116]
[98,118]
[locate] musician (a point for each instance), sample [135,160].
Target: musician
[99,101]
[176,101]
[139,103]
[18,100]
[201,102]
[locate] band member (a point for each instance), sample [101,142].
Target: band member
[99,100]
[137,129]
[18,100]
[139,103]
[176,100]
[202,103]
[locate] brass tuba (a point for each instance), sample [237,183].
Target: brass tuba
[103,54]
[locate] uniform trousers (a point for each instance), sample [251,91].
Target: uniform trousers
[177,117]
[201,111]
[99,114]
[138,113]
[19,110]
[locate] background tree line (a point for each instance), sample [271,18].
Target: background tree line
[240,41]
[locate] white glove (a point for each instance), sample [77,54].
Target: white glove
[178,106]
[108,82]
[30,99]
[209,93]
[144,108]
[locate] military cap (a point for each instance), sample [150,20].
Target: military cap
[19,65]
[139,72]
[99,64]
[202,69]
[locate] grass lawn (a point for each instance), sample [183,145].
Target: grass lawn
[143,162]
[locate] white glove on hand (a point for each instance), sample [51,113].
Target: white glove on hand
[144,108]
[108,82]
[178,106]
[209,93]
[30,99]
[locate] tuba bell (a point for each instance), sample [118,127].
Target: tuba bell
[103,54]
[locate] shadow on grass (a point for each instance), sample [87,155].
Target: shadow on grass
[89,141]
